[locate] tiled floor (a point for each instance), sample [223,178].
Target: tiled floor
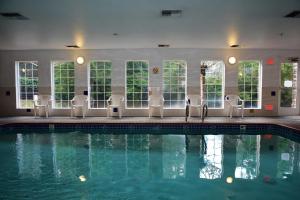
[290,121]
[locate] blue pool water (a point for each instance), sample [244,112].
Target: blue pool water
[138,164]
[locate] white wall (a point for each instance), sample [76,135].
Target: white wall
[271,73]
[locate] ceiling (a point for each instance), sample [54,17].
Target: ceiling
[91,24]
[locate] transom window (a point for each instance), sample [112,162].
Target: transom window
[249,83]
[63,88]
[137,84]
[213,87]
[99,83]
[174,83]
[288,93]
[26,83]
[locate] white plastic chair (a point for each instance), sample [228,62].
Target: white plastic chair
[42,103]
[235,102]
[195,104]
[156,101]
[79,102]
[115,103]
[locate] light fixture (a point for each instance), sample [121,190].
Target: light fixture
[234,45]
[232,60]
[80,60]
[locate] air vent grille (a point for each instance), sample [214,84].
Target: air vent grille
[294,14]
[13,16]
[293,59]
[169,13]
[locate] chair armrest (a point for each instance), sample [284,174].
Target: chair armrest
[243,103]
[72,102]
[108,100]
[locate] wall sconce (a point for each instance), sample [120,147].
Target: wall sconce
[232,60]
[155,70]
[80,60]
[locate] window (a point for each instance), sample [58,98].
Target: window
[26,83]
[63,89]
[174,83]
[249,83]
[137,84]
[99,83]
[288,85]
[213,87]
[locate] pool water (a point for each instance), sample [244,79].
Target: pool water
[166,166]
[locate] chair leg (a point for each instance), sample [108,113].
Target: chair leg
[242,113]
[107,112]
[161,113]
[35,113]
[120,113]
[231,111]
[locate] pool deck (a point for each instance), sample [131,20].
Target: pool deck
[287,121]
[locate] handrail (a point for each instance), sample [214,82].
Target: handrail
[204,108]
[187,109]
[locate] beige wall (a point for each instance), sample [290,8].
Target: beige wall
[271,73]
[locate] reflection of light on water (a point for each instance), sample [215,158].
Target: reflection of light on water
[247,157]
[229,179]
[213,157]
[174,156]
[82,178]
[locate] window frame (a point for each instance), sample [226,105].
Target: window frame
[185,82]
[89,82]
[294,87]
[17,82]
[259,88]
[53,83]
[132,60]
[223,85]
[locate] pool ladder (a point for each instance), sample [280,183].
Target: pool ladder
[204,112]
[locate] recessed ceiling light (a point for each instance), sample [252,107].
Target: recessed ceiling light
[163,45]
[234,45]
[115,34]
[72,46]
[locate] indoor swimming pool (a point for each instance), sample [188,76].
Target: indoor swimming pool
[148,163]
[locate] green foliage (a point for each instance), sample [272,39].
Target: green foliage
[137,84]
[248,82]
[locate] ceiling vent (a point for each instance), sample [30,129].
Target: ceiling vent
[13,16]
[171,13]
[294,14]
[163,45]
[72,46]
